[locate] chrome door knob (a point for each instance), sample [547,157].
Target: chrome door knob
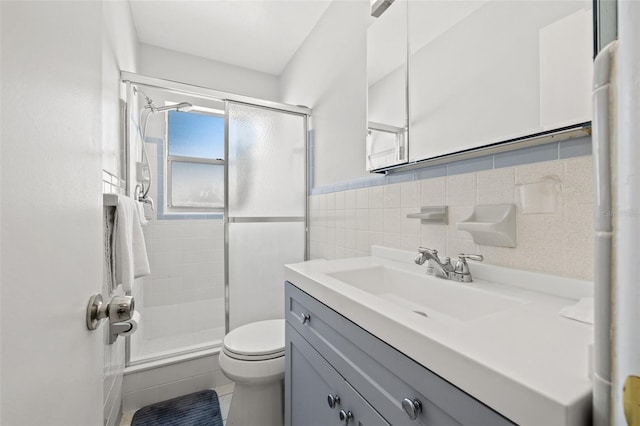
[119,309]
[333,400]
[412,407]
[345,417]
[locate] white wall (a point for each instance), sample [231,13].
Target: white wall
[52,366]
[328,74]
[176,66]
[119,52]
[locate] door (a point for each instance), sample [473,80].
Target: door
[316,394]
[51,211]
[266,206]
[309,383]
[363,413]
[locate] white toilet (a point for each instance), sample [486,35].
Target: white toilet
[253,357]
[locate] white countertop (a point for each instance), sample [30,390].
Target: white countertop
[526,362]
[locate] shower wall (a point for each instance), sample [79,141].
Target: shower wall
[182,301]
[184,296]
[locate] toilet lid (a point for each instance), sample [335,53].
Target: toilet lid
[256,341]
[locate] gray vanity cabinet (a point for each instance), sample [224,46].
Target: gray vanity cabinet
[316,394]
[327,355]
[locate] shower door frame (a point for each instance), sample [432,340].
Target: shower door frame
[133,79]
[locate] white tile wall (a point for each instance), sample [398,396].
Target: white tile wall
[559,243]
[184,295]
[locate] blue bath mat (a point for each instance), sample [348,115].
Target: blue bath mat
[196,409]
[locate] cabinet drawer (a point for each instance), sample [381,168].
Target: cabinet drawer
[380,373]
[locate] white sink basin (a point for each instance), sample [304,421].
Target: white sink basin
[425,295]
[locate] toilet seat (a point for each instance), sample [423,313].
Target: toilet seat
[258,341]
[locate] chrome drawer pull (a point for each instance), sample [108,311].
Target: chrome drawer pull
[412,408]
[333,400]
[345,417]
[305,318]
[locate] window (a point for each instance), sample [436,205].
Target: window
[195,160]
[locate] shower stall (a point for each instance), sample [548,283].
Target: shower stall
[224,182]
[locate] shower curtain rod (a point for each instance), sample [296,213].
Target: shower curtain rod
[198,91]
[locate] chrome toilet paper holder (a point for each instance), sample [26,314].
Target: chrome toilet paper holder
[118,310]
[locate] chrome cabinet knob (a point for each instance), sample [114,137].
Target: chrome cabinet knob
[305,318]
[345,417]
[333,400]
[412,407]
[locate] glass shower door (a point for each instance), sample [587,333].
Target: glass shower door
[266,208]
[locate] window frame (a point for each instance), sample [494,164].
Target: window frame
[170,159]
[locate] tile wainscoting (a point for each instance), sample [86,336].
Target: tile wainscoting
[347,223]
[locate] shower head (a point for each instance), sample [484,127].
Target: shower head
[182,107]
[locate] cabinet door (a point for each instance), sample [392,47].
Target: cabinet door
[363,413]
[309,380]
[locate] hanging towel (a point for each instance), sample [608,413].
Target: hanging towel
[140,208]
[131,259]
[109,269]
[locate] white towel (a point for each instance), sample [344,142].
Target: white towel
[109,270]
[131,259]
[140,208]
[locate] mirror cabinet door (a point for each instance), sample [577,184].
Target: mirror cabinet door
[483,72]
[387,135]
[479,72]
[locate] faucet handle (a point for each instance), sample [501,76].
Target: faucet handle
[428,250]
[476,257]
[422,254]
[462,267]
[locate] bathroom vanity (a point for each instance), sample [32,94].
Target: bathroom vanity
[374,341]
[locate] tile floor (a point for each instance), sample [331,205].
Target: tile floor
[225,393]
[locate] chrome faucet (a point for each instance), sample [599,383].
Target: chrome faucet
[461,271]
[435,267]
[443,268]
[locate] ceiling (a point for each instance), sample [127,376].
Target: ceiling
[261,35]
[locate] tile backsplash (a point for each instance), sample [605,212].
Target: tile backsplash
[347,223]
